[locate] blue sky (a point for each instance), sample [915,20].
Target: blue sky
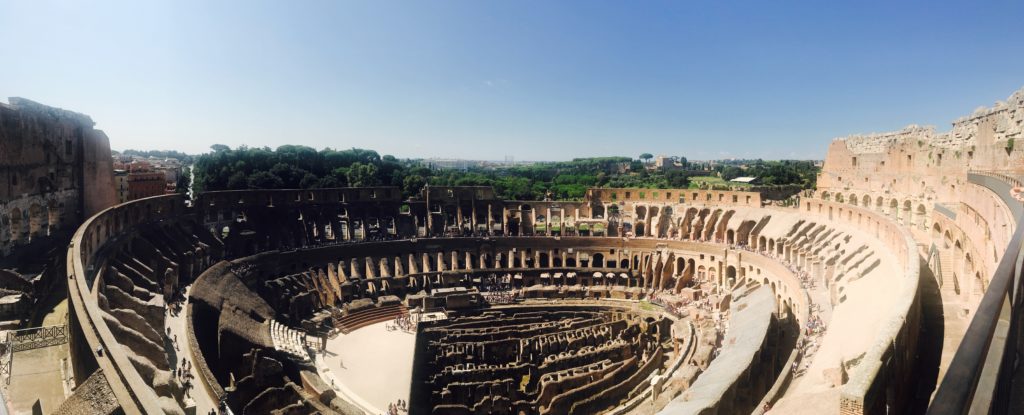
[536,80]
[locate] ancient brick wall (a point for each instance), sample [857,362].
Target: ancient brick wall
[55,170]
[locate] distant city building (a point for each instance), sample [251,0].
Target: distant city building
[137,177]
[121,185]
[666,163]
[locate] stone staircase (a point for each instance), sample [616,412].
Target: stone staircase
[289,340]
[950,285]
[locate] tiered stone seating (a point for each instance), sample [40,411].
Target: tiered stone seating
[355,320]
[136,283]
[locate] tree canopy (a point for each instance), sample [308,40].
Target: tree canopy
[302,167]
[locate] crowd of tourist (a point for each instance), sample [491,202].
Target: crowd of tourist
[813,330]
[674,306]
[241,269]
[398,407]
[405,322]
[498,289]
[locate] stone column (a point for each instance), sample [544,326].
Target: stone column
[458,214]
[547,222]
[490,219]
[430,219]
[472,217]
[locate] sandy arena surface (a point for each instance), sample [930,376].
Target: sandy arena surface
[373,364]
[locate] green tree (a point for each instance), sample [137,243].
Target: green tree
[646,157]
[265,180]
[361,175]
[237,181]
[412,184]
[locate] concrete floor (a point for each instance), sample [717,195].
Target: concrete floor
[36,380]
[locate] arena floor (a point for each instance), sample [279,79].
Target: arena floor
[373,364]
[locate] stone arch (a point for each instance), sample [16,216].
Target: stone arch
[936,232]
[597,260]
[853,199]
[840,198]
[36,221]
[879,203]
[968,264]
[826,196]
[979,285]
[866,202]
[53,215]
[16,224]
[730,236]
[947,239]
[771,245]
[730,275]
[894,208]
[743,232]
[761,241]
[922,216]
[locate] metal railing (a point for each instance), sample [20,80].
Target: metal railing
[980,377]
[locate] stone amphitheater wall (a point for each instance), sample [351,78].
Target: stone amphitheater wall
[888,367]
[109,226]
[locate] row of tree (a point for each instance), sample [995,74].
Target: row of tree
[303,167]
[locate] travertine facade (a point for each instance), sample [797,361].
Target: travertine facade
[951,191]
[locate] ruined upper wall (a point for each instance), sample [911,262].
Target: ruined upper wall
[919,163]
[55,170]
[986,126]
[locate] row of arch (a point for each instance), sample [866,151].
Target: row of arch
[964,268]
[903,212]
[24,225]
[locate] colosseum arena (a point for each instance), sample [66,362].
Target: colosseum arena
[891,288]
